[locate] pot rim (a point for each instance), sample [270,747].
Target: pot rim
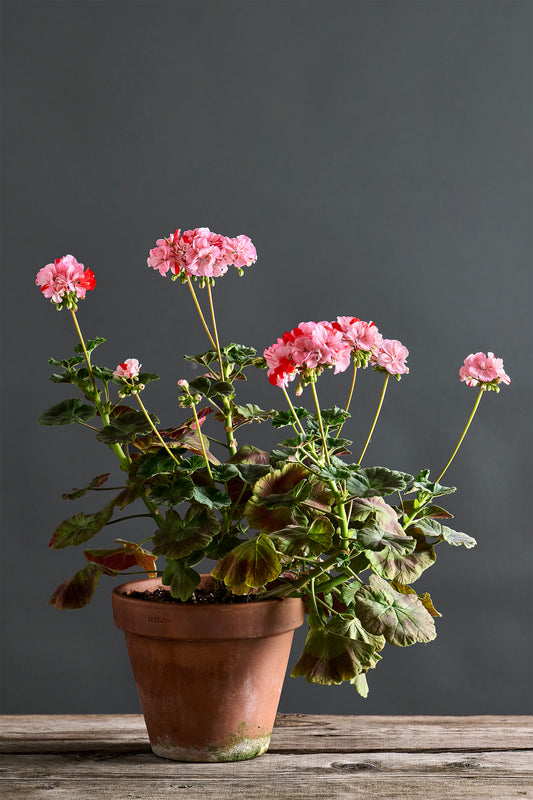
[191,621]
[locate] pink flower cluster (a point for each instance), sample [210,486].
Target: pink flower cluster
[200,253]
[129,368]
[479,369]
[64,281]
[312,346]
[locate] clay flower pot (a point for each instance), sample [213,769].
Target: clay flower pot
[209,677]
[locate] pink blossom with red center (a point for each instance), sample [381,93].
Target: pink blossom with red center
[281,370]
[358,334]
[65,280]
[391,356]
[129,368]
[479,369]
[309,347]
[201,253]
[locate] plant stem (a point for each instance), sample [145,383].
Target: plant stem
[116,448]
[228,427]
[320,423]
[201,441]
[129,516]
[197,304]
[352,387]
[375,418]
[294,414]
[85,353]
[470,418]
[145,412]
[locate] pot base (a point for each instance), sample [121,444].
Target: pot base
[239,748]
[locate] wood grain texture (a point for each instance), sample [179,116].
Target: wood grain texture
[311,758]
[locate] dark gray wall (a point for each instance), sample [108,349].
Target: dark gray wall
[378,155]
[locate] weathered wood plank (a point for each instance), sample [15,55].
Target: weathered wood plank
[283,769]
[294,733]
[361,787]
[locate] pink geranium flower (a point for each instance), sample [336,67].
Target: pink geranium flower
[479,369]
[358,334]
[391,356]
[64,281]
[281,370]
[201,253]
[306,349]
[129,368]
[241,251]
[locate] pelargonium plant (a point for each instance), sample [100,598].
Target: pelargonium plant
[304,520]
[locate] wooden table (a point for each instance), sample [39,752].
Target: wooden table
[108,757]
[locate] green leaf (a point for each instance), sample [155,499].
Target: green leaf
[204,359]
[211,496]
[333,417]
[425,486]
[158,463]
[329,655]
[126,428]
[250,473]
[372,481]
[181,579]
[67,412]
[284,418]
[80,528]
[290,499]
[253,563]
[239,354]
[433,528]
[171,492]
[321,532]
[225,472]
[373,537]
[404,568]
[242,415]
[90,345]
[147,377]
[426,511]
[96,482]
[102,373]
[178,538]
[222,389]
[360,684]
[294,541]
[401,619]
[201,385]
[77,591]
[282,482]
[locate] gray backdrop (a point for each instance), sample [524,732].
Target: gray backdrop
[378,155]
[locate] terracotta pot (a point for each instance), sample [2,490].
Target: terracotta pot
[209,677]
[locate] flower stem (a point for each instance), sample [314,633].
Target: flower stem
[470,418]
[202,441]
[85,353]
[294,414]
[375,418]
[352,387]
[197,304]
[228,427]
[320,423]
[146,414]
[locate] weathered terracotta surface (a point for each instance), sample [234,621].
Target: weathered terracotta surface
[209,677]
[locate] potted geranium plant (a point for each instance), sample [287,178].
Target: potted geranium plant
[305,526]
